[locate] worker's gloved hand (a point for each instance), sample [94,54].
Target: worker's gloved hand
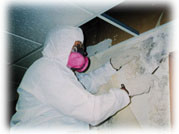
[140,84]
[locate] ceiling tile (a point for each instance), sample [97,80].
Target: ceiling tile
[16,73]
[34,22]
[99,6]
[18,48]
[27,61]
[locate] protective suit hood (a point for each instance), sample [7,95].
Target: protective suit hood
[59,42]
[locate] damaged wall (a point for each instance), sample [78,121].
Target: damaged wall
[140,56]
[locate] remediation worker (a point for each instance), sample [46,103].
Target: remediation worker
[50,94]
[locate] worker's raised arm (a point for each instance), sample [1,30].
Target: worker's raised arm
[92,80]
[68,96]
[73,101]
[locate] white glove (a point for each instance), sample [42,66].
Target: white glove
[140,84]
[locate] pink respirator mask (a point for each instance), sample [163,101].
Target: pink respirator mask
[78,62]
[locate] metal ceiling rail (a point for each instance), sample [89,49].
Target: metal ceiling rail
[19,66]
[119,24]
[108,19]
[18,36]
[113,3]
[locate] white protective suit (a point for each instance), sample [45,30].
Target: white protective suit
[50,94]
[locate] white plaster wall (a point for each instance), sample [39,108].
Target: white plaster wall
[141,55]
